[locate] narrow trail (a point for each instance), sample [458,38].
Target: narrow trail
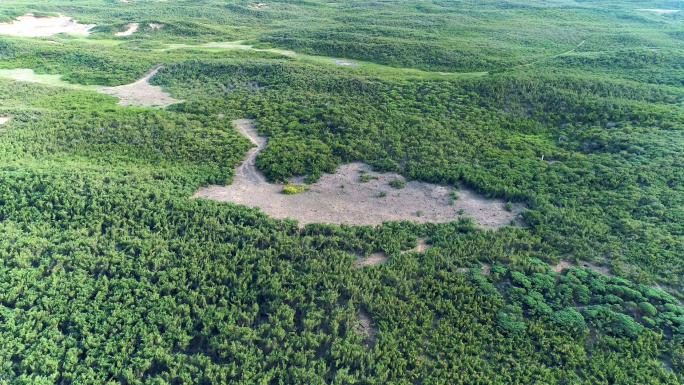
[572,50]
[248,168]
[141,92]
[554,56]
[149,74]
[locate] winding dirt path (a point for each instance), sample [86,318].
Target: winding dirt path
[572,50]
[141,93]
[248,169]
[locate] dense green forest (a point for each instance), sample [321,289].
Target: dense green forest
[110,274]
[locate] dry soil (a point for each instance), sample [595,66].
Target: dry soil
[343,198]
[141,93]
[605,270]
[346,62]
[31,26]
[131,28]
[4,119]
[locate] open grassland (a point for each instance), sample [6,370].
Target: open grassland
[571,109]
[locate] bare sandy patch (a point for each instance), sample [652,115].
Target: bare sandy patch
[131,28]
[141,93]
[5,119]
[603,269]
[561,266]
[372,259]
[31,26]
[343,198]
[420,248]
[346,63]
[600,268]
[365,327]
[156,25]
[661,11]
[485,268]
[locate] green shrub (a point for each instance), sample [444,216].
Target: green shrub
[397,183]
[292,189]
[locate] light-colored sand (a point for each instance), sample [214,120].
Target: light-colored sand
[373,259]
[31,26]
[365,327]
[4,119]
[657,10]
[605,270]
[131,28]
[420,248]
[346,62]
[156,25]
[141,93]
[358,203]
[561,266]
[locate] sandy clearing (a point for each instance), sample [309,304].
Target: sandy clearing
[156,25]
[5,119]
[31,26]
[657,10]
[346,62]
[141,93]
[131,28]
[365,326]
[372,259]
[562,265]
[357,203]
[420,248]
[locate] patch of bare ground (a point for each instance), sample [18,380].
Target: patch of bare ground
[141,93]
[485,268]
[31,26]
[346,63]
[5,119]
[372,259]
[600,268]
[156,25]
[130,29]
[561,266]
[365,327]
[343,198]
[603,269]
[420,248]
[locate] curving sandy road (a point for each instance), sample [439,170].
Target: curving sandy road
[248,168]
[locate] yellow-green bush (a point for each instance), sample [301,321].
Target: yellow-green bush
[292,189]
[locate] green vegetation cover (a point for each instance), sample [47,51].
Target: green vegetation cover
[110,274]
